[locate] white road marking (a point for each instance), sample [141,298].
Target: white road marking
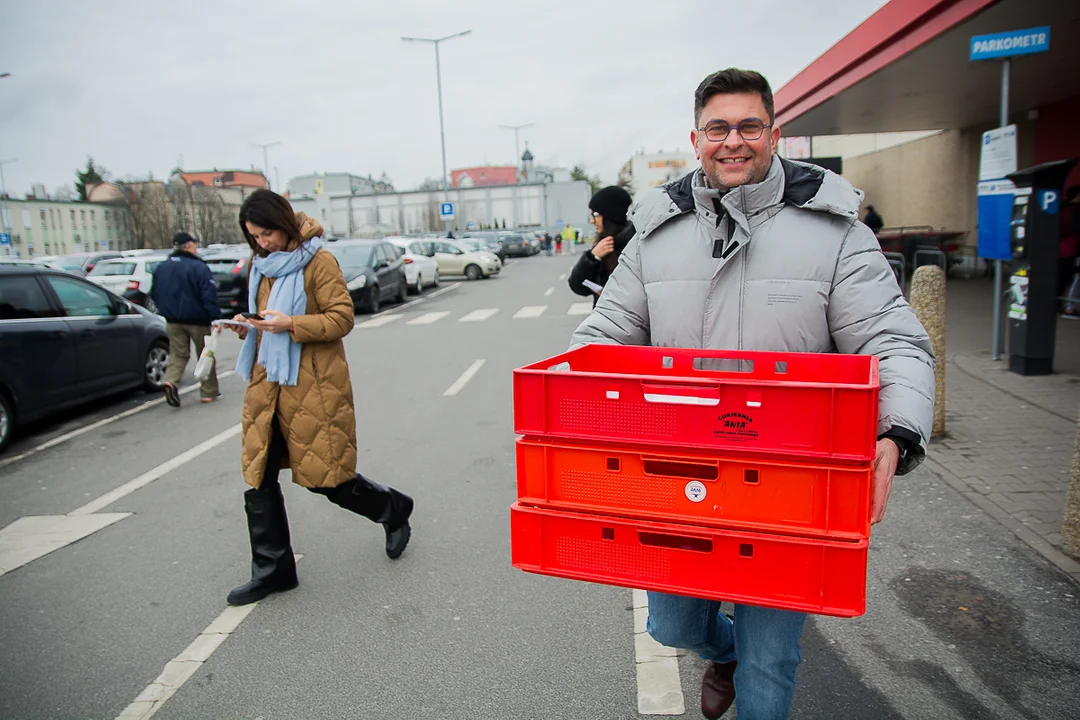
[658,683]
[548,292]
[428,318]
[581,308]
[563,276]
[399,308]
[34,536]
[181,668]
[479,315]
[379,321]
[151,475]
[465,377]
[100,423]
[530,311]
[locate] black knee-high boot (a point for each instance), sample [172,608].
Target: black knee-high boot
[273,567]
[377,503]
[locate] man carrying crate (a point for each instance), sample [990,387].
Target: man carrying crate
[752,252]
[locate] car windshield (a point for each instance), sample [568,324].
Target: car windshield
[113,268]
[351,256]
[473,244]
[69,262]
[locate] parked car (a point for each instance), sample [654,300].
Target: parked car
[230,267]
[374,271]
[32,262]
[456,258]
[65,341]
[496,241]
[518,245]
[129,277]
[80,263]
[421,270]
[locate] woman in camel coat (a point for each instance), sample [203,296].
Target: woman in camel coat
[298,409]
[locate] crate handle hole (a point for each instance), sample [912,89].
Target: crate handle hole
[607,533]
[781,367]
[613,464]
[670,468]
[729,365]
[746,550]
[675,542]
[750,477]
[668,362]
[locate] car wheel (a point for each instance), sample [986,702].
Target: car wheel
[419,287]
[157,361]
[403,288]
[473,272]
[7,421]
[438,280]
[375,300]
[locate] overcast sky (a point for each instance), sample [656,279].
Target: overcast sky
[139,84]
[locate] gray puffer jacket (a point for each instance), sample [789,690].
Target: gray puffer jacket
[783,266]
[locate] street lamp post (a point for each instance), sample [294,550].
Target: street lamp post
[442,132]
[517,146]
[266,161]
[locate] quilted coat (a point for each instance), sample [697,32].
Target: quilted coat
[783,265]
[316,415]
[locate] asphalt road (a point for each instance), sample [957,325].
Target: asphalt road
[964,621]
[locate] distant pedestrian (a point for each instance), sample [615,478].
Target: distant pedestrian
[186,296]
[613,231]
[873,220]
[547,242]
[298,409]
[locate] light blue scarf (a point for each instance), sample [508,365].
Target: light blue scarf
[278,353]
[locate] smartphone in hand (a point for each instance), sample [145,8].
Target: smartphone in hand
[253,316]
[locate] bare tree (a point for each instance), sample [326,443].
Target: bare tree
[212,218]
[151,215]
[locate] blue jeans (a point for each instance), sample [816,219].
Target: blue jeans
[764,641]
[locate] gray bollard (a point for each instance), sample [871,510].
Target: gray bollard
[928,300]
[1070,527]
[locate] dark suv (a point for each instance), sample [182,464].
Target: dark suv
[230,269]
[64,341]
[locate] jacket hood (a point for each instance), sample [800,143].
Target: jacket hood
[804,186]
[309,227]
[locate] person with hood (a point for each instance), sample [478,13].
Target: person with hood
[298,409]
[873,220]
[186,297]
[752,252]
[613,231]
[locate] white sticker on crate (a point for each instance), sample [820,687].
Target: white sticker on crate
[612,394]
[695,491]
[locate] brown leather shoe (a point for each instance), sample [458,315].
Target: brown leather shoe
[717,689]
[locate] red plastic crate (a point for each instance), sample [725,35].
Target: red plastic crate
[765,495]
[796,404]
[816,576]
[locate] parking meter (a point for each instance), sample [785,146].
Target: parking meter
[1034,237]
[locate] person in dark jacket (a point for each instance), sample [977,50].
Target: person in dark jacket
[873,220]
[186,297]
[613,231]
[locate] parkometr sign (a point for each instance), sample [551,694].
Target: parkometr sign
[1013,42]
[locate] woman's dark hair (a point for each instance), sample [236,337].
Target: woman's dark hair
[733,80]
[269,210]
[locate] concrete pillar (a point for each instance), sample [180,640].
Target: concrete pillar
[928,300]
[1070,528]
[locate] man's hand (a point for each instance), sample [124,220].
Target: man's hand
[888,456]
[604,247]
[275,322]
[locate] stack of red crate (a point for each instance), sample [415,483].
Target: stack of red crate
[735,476]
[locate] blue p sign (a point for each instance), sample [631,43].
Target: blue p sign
[1048,201]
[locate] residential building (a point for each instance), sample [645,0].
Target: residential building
[483,175]
[40,226]
[225,178]
[336,183]
[647,170]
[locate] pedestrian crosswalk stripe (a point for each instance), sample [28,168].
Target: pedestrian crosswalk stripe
[581,308]
[479,315]
[549,291]
[428,318]
[379,321]
[530,311]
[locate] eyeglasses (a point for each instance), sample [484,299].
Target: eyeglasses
[595,214]
[750,129]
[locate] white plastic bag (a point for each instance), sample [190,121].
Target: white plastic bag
[206,359]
